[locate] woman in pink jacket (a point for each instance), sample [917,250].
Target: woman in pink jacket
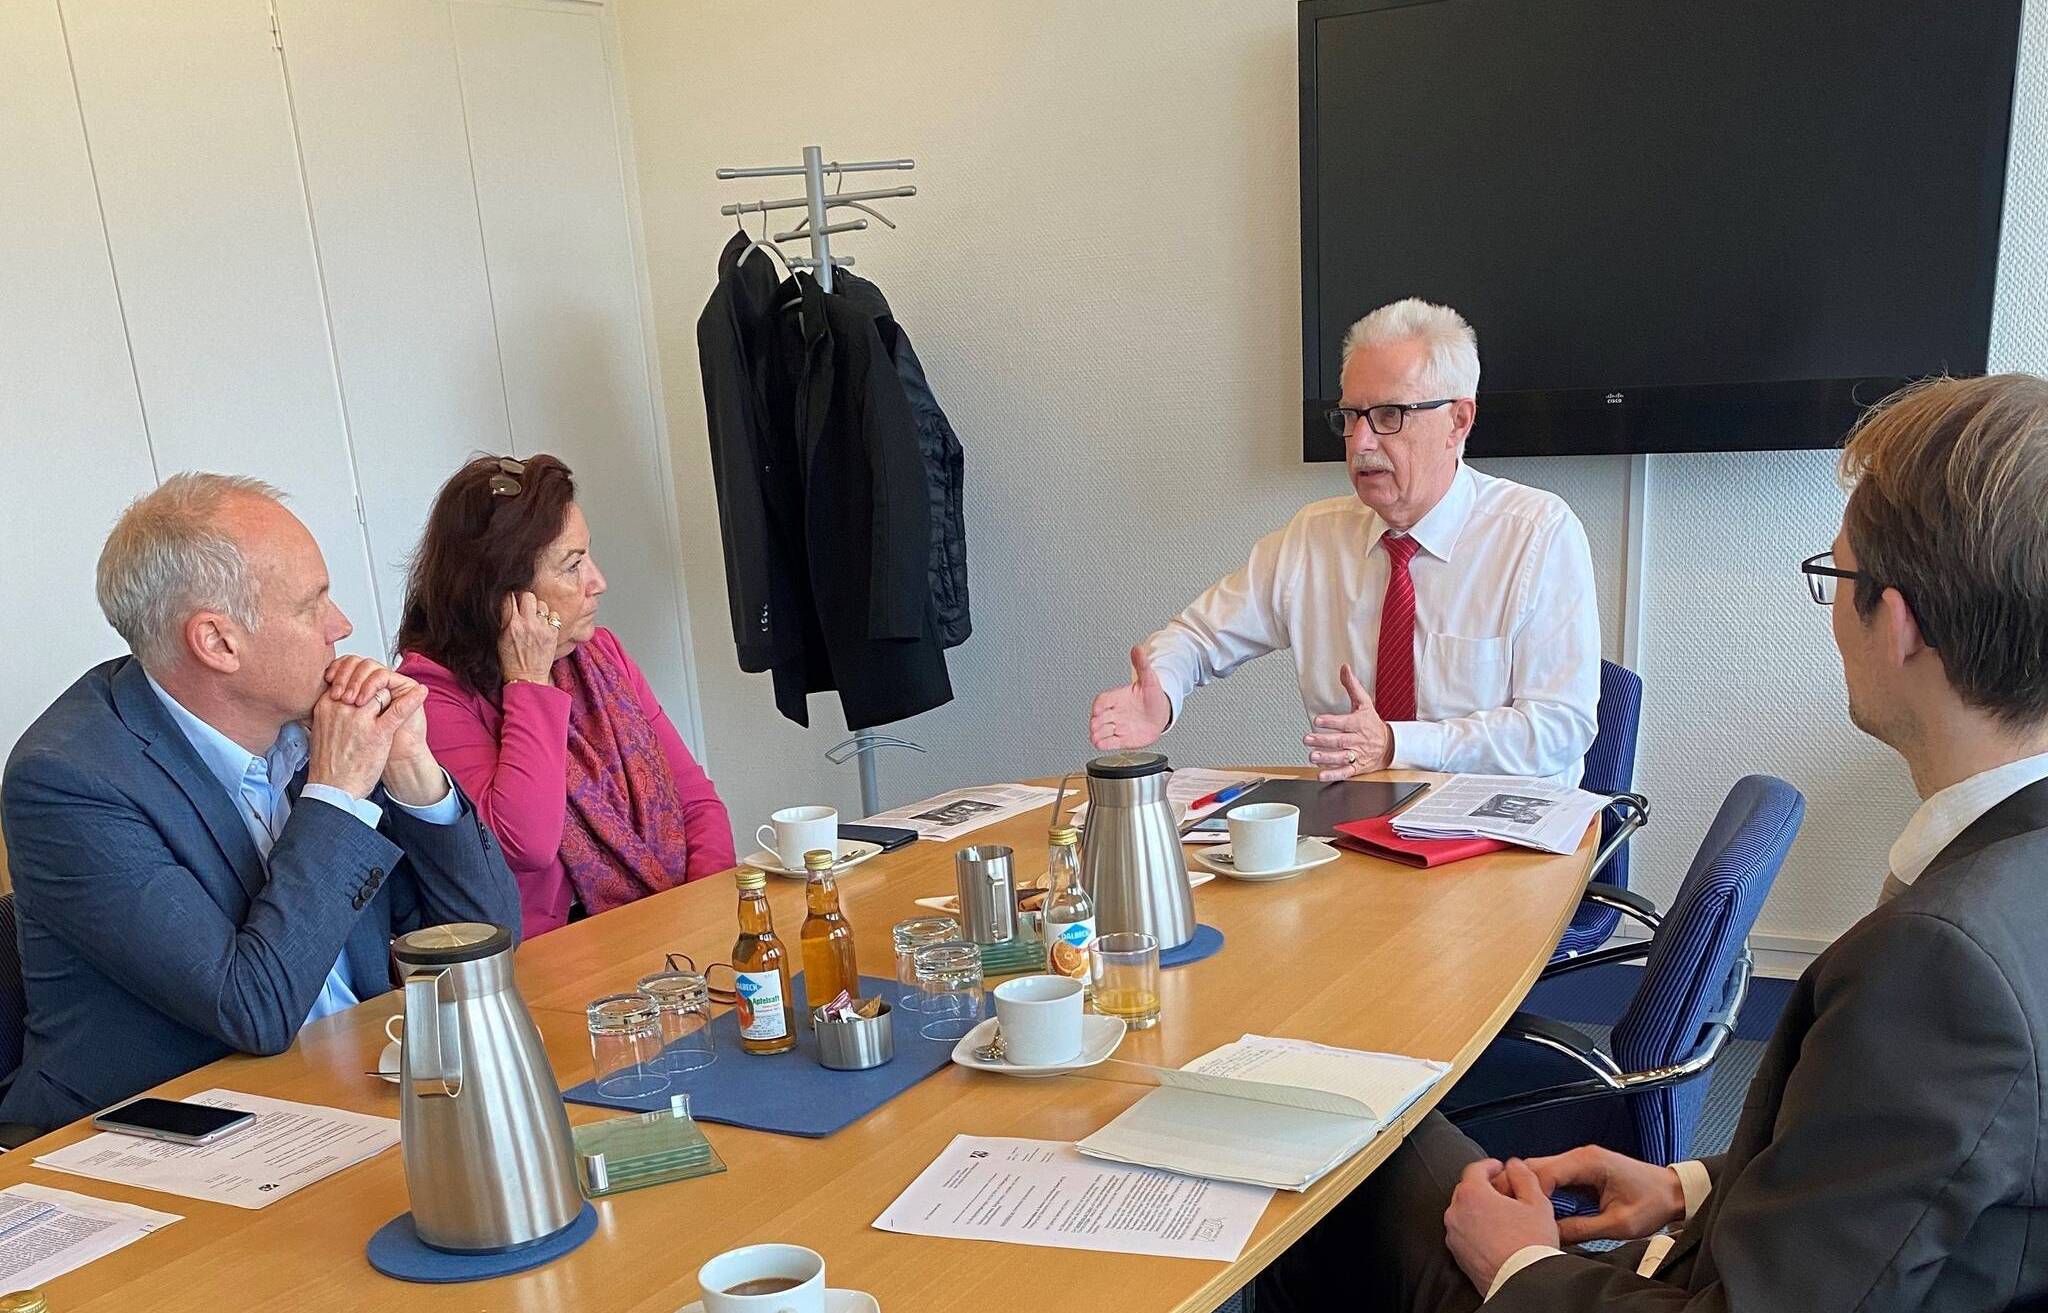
[538,713]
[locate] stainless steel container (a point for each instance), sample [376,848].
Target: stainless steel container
[1131,859]
[489,1160]
[855,1043]
[987,880]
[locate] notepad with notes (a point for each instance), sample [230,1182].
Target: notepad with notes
[1276,1112]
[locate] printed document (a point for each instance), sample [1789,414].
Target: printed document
[1273,1112]
[1040,1192]
[45,1233]
[1530,813]
[963,811]
[287,1148]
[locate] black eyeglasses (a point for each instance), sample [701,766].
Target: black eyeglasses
[506,482]
[1822,577]
[726,992]
[1384,419]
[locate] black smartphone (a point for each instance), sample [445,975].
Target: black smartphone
[166,1119]
[887,837]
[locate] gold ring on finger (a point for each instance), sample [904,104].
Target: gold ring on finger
[555,621]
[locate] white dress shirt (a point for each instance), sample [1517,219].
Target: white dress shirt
[1939,821]
[1507,625]
[1947,814]
[261,787]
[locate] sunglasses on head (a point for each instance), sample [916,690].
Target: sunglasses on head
[507,482]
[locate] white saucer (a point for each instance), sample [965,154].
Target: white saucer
[1099,1038]
[1308,854]
[852,852]
[836,1301]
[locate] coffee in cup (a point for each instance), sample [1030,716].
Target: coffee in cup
[764,1279]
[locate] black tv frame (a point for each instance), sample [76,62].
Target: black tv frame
[1736,416]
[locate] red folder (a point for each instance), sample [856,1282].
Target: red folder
[1376,836]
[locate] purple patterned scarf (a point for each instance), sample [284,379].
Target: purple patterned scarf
[624,834]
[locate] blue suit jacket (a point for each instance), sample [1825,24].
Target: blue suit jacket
[152,939]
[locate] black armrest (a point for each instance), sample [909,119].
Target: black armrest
[1626,901]
[1635,950]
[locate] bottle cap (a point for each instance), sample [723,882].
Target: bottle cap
[1065,834]
[24,1301]
[820,859]
[746,880]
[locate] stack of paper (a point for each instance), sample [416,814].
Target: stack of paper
[1273,1112]
[287,1148]
[1527,812]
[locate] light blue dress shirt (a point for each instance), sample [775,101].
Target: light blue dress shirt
[261,787]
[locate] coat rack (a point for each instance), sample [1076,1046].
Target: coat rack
[817,201]
[818,204]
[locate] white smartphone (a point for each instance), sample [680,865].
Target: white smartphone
[166,1119]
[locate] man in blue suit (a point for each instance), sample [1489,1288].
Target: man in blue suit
[213,840]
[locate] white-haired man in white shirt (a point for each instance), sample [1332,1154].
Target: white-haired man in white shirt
[1441,619]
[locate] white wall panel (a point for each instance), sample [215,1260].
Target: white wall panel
[379,113]
[558,240]
[72,444]
[191,136]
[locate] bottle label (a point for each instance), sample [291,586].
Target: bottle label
[1066,946]
[761,1009]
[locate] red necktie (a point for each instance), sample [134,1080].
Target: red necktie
[1393,684]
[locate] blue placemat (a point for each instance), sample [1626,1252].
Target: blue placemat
[790,1093]
[1208,942]
[396,1250]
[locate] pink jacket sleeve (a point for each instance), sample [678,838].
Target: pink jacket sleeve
[516,775]
[705,821]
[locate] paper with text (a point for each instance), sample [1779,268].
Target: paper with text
[1041,1192]
[45,1233]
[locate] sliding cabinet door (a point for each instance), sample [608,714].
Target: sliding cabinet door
[72,445]
[185,108]
[378,106]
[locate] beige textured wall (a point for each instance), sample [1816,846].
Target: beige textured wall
[1101,273]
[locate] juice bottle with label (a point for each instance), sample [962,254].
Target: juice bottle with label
[759,961]
[1069,912]
[827,937]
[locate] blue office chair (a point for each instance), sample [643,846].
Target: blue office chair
[1610,769]
[1543,1087]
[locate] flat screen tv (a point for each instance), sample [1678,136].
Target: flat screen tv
[1676,225]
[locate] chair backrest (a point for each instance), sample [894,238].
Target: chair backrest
[13,994]
[1695,949]
[1610,768]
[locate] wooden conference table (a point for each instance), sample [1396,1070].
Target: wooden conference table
[1360,953]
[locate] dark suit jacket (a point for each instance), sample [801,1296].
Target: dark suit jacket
[1891,1153]
[152,939]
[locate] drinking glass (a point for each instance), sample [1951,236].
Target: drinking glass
[910,936]
[625,1038]
[684,1003]
[949,974]
[1123,971]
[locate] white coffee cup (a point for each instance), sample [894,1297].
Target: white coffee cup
[794,831]
[734,1268]
[1263,836]
[1041,1019]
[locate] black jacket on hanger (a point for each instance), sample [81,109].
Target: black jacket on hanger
[944,462]
[760,506]
[823,498]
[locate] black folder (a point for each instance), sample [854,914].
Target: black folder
[1325,806]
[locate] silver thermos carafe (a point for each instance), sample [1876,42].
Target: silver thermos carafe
[1131,860]
[489,1161]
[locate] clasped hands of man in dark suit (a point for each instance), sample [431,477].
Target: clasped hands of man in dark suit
[371,725]
[1499,1209]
